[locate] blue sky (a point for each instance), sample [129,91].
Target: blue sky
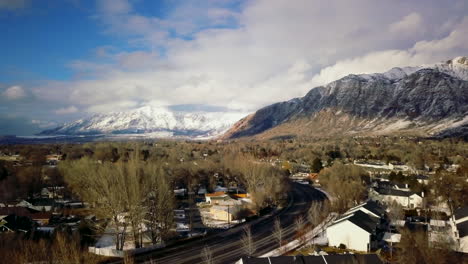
[66,59]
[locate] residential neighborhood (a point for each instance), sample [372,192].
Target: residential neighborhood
[368,221]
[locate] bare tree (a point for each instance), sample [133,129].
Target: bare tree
[315,214]
[300,229]
[115,190]
[207,255]
[160,203]
[395,213]
[248,244]
[102,187]
[278,232]
[345,183]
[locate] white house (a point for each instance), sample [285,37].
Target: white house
[355,231]
[221,198]
[403,198]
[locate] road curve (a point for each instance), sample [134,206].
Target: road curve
[226,246]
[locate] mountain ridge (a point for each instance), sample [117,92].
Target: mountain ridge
[157,121]
[424,100]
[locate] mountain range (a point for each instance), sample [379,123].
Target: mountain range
[153,121]
[429,100]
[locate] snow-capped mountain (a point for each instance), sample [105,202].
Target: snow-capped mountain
[457,67]
[159,121]
[424,100]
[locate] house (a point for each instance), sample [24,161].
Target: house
[15,210]
[300,176]
[201,190]
[225,213]
[52,192]
[4,226]
[179,214]
[208,196]
[323,259]
[401,187]
[356,230]
[182,226]
[404,198]
[42,204]
[221,198]
[398,166]
[24,203]
[459,223]
[220,189]
[422,179]
[180,192]
[18,223]
[41,218]
[371,164]
[53,157]
[314,177]
[45,193]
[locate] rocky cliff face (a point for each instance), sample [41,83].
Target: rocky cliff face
[424,100]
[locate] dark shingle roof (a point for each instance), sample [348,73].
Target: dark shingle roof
[462,229]
[461,212]
[362,220]
[422,177]
[329,259]
[374,207]
[393,192]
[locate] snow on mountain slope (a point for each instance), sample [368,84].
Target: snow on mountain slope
[457,67]
[150,119]
[424,100]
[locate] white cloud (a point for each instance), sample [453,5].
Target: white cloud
[14,92]
[271,50]
[422,52]
[66,110]
[410,24]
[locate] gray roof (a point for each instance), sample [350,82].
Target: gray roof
[329,259]
[374,207]
[461,212]
[362,220]
[422,177]
[462,229]
[393,192]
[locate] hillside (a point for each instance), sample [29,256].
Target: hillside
[424,101]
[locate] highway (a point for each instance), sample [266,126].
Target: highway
[226,247]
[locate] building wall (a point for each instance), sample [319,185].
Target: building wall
[348,234]
[403,201]
[464,244]
[220,215]
[414,201]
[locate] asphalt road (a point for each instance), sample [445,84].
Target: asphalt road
[226,247]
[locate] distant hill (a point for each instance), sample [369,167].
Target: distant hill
[430,100]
